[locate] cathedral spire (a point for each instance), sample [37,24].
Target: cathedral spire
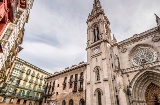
[96,11]
[96,4]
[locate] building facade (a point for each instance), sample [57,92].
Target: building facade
[121,73]
[25,85]
[13,16]
[116,73]
[67,87]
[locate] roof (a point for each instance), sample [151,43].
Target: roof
[33,66]
[73,67]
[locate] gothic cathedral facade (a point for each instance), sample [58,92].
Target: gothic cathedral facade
[116,73]
[121,73]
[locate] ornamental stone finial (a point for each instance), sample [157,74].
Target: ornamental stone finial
[157,20]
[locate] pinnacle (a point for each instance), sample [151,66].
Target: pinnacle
[96,4]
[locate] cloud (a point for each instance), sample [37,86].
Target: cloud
[56,34]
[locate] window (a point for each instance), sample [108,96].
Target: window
[49,88]
[11,101]
[46,89]
[96,33]
[81,86]
[24,84]
[22,93]
[142,56]
[15,91]
[18,101]
[82,102]
[30,103]
[18,81]
[81,76]
[111,55]
[24,102]
[28,71]
[75,87]
[53,86]
[4,99]
[28,92]
[71,81]
[71,102]
[64,83]
[76,78]
[63,102]
[37,75]
[99,98]
[97,74]
[117,100]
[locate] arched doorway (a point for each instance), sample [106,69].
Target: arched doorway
[152,95]
[98,96]
[71,102]
[63,102]
[145,89]
[82,102]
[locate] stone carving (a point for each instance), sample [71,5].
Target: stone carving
[156,38]
[117,63]
[123,50]
[96,34]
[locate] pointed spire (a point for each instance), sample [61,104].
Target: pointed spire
[96,11]
[157,20]
[96,4]
[114,39]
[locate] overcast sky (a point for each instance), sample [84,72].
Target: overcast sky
[55,37]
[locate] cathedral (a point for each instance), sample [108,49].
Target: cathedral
[116,73]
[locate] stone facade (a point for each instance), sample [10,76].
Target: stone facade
[121,73]
[25,84]
[116,73]
[67,86]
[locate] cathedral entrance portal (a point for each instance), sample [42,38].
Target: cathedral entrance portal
[152,95]
[146,89]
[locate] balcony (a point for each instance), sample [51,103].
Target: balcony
[74,90]
[81,79]
[80,89]
[40,90]
[75,81]
[8,37]
[48,95]
[20,19]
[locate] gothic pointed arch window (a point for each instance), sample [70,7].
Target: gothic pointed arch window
[71,102]
[63,102]
[97,73]
[99,98]
[96,33]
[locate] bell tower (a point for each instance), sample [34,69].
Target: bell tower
[99,87]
